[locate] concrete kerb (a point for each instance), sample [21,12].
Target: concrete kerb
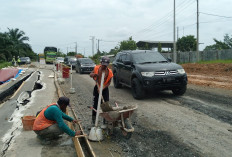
[76,141]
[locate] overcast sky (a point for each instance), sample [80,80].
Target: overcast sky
[61,23]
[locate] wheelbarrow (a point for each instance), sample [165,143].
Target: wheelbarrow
[119,117]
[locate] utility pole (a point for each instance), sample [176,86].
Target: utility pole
[174,32]
[197,31]
[92,38]
[76,47]
[98,40]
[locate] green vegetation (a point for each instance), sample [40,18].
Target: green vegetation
[71,53]
[128,44]
[221,45]
[216,61]
[5,64]
[186,43]
[13,43]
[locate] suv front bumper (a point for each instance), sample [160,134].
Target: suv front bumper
[165,82]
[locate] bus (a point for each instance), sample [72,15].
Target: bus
[50,54]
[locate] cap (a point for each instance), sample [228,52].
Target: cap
[105,61]
[63,100]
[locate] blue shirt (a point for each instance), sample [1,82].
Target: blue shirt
[54,113]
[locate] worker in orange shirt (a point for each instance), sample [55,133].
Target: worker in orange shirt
[96,74]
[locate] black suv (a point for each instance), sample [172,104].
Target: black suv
[146,69]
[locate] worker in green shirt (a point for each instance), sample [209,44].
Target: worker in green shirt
[49,123]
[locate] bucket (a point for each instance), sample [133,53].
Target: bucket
[28,122]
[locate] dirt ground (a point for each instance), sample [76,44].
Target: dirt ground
[212,75]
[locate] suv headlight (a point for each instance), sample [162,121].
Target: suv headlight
[148,74]
[181,71]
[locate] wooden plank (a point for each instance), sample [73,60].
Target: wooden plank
[78,147]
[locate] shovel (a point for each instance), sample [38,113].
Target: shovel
[96,132]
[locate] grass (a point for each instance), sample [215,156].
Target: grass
[5,64]
[216,61]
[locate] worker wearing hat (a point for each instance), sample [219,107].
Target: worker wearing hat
[49,123]
[96,75]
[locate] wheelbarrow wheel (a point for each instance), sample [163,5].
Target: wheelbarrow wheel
[127,135]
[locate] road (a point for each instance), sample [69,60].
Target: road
[196,124]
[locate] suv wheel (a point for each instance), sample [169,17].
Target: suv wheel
[179,91]
[80,71]
[137,89]
[116,81]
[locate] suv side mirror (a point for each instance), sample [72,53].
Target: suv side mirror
[127,62]
[169,59]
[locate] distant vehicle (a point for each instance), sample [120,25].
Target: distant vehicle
[70,60]
[50,54]
[84,65]
[145,69]
[25,60]
[59,60]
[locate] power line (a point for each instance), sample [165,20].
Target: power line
[160,21]
[215,15]
[164,19]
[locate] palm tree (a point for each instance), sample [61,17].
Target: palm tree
[5,47]
[18,39]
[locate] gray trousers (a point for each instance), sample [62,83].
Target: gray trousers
[51,132]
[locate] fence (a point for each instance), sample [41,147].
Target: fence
[191,57]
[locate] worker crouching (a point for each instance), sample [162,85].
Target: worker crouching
[49,123]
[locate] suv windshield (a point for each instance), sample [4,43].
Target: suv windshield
[86,61]
[72,59]
[148,57]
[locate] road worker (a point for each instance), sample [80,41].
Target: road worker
[13,61]
[19,61]
[49,123]
[96,74]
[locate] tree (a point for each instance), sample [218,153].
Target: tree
[18,38]
[128,45]
[114,51]
[186,43]
[228,41]
[159,47]
[5,47]
[12,43]
[221,45]
[71,53]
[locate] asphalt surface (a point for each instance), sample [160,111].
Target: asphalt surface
[195,124]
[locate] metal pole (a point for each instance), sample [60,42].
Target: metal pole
[76,47]
[71,75]
[72,90]
[198,31]
[97,45]
[93,38]
[174,32]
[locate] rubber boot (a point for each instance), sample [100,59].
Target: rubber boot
[93,120]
